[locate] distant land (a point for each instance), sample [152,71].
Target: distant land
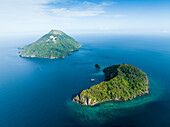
[122,82]
[55,44]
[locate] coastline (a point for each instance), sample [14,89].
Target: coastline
[147,92]
[113,89]
[33,56]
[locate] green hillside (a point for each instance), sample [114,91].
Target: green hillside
[122,82]
[55,44]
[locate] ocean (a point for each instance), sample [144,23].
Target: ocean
[37,92]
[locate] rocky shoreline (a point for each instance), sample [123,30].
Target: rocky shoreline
[33,56]
[88,103]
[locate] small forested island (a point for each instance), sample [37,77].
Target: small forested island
[122,82]
[55,44]
[97,66]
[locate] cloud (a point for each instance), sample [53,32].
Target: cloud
[64,12]
[108,28]
[18,10]
[107,3]
[22,15]
[165,31]
[77,15]
[80,9]
[101,4]
[119,15]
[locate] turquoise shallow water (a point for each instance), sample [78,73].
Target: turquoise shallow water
[38,92]
[109,111]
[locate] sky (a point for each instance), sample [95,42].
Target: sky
[84,16]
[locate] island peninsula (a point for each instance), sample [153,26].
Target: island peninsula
[122,82]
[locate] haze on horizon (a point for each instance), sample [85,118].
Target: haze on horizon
[84,16]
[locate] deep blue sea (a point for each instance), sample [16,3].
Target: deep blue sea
[37,92]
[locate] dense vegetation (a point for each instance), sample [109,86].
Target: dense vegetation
[55,44]
[122,82]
